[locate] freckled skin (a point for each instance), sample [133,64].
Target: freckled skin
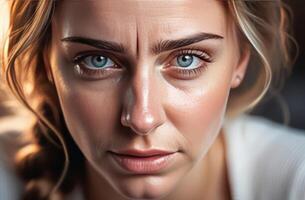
[165,112]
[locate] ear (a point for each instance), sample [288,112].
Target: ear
[241,67]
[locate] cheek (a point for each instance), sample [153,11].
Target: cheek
[199,120]
[91,115]
[198,113]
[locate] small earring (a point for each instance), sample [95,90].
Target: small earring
[238,78]
[237,81]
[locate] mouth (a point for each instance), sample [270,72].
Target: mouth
[143,162]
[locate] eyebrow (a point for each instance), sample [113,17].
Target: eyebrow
[100,44]
[166,45]
[159,47]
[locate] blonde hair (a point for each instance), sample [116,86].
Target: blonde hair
[261,24]
[264,25]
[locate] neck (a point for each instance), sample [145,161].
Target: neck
[211,184]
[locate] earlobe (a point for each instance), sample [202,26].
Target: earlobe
[236,82]
[241,68]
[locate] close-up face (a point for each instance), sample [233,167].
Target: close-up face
[142,75]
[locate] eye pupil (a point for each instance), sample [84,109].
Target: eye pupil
[185,60]
[99,61]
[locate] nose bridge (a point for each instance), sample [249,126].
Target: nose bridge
[143,110]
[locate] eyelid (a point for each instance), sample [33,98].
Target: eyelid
[199,53]
[194,50]
[79,57]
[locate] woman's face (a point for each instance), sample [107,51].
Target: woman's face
[144,75]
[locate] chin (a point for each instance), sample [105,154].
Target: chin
[152,187]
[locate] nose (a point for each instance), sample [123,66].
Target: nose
[142,106]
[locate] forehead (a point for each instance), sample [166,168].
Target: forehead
[124,20]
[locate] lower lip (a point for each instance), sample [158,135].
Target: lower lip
[143,165]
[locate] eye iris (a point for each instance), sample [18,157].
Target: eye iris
[99,61]
[185,60]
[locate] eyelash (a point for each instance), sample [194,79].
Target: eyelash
[188,73]
[85,72]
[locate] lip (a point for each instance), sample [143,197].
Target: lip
[143,153]
[143,162]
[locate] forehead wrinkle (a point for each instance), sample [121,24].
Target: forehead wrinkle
[147,25]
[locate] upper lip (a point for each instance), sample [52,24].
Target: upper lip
[143,153]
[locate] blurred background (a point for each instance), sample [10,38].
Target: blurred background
[287,107]
[291,100]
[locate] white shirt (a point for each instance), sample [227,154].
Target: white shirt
[266,161]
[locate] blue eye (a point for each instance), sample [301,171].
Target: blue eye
[97,62]
[188,61]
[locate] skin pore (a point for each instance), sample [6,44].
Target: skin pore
[169,67]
